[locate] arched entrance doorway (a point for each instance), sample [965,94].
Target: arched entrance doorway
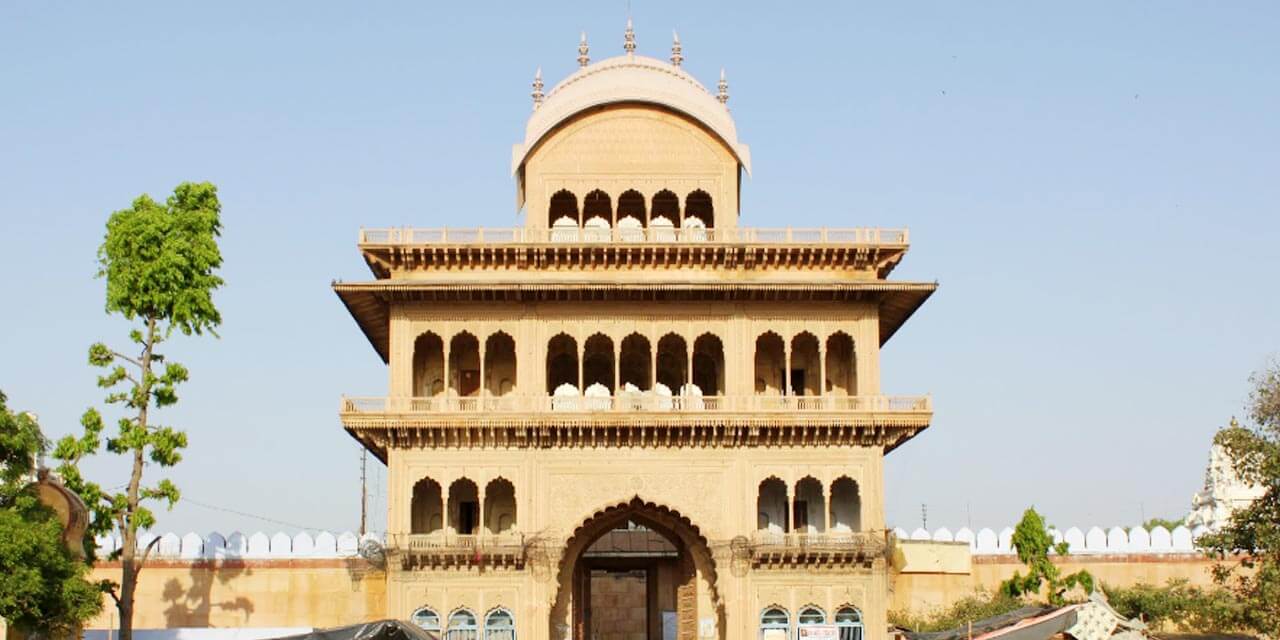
[635,569]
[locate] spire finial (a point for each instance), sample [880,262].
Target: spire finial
[629,39]
[583,58]
[723,96]
[676,56]
[537,89]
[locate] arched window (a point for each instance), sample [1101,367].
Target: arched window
[563,205]
[771,506]
[562,362]
[462,626]
[426,619]
[426,507]
[499,625]
[631,205]
[810,616]
[849,623]
[500,506]
[428,365]
[464,507]
[774,624]
[698,205]
[665,205]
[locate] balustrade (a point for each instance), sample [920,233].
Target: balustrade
[636,402]
[655,235]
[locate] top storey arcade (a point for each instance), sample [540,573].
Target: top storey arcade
[631,160]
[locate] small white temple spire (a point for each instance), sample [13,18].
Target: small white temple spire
[583,58]
[629,39]
[723,95]
[537,89]
[676,56]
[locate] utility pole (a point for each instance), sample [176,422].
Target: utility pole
[364,489]
[924,516]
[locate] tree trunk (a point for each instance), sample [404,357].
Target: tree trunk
[130,564]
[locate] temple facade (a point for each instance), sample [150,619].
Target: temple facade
[634,416]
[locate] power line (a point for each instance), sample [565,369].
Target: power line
[250,515]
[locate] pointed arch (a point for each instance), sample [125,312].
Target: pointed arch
[770,362]
[598,361]
[771,505]
[463,507]
[708,364]
[673,361]
[842,378]
[804,365]
[428,365]
[635,362]
[464,365]
[846,505]
[563,205]
[810,508]
[698,205]
[426,507]
[631,205]
[666,204]
[500,506]
[562,362]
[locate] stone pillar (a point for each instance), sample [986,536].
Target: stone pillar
[826,509]
[617,367]
[688,372]
[653,365]
[822,369]
[582,354]
[483,383]
[791,509]
[447,385]
[480,507]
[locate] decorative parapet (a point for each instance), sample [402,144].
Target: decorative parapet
[1094,541]
[258,545]
[634,420]
[412,236]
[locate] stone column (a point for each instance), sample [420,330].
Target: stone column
[582,354]
[822,369]
[480,507]
[791,509]
[483,383]
[653,365]
[826,509]
[688,372]
[617,367]
[445,349]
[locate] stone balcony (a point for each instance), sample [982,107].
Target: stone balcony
[398,252]
[447,549]
[769,548]
[629,420]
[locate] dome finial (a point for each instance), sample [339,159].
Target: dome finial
[723,96]
[676,56]
[583,58]
[629,39]
[537,89]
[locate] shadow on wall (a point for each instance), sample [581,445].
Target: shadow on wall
[194,606]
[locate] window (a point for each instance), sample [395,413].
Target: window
[499,625]
[810,616]
[462,626]
[774,624]
[426,619]
[849,623]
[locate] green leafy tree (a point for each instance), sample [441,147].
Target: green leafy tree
[1032,540]
[159,262]
[1167,523]
[1251,541]
[43,589]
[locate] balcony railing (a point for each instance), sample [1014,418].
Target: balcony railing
[636,402]
[653,235]
[767,546]
[442,541]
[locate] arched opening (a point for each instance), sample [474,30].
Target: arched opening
[634,363]
[499,625]
[665,205]
[842,377]
[562,362]
[708,364]
[499,506]
[631,205]
[499,364]
[653,556]
[771,506]
[597,362]
[698,205]
[770,364]
[804,365]
[849,623]
[597,205]
[464,365]
[426,510]
[464,507]
[775,624]
[426,619]
[428,365]
[563,205]
[846,505]
[673,362]
[809,508]
[462,626]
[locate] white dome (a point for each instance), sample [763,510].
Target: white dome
[630,78]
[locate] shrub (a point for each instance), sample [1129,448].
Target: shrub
[968,609]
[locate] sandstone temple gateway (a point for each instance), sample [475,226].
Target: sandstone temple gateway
[634,416]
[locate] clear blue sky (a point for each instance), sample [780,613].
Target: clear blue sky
[1094,184]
